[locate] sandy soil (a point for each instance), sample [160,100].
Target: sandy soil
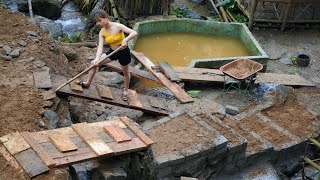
[21,103]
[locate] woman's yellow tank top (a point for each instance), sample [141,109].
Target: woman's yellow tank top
[113,39]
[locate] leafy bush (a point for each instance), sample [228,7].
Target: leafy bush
[180,12]
[70,39]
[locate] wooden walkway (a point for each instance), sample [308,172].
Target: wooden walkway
[93,94]
[36,152]
[207,75]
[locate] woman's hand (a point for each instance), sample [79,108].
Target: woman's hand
[124,44]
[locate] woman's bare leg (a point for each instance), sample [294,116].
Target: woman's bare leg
[126,76]
[93,71]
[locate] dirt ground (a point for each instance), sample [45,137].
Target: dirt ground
[21,103]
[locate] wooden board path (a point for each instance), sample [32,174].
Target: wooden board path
[284,79]
[88,138]
[179,93]
[201,75]
[63,142]
[92,94]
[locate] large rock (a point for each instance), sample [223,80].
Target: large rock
[47,8]
[54,28]
[108,78]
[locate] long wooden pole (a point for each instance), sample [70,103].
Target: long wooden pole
[215,8]
[223,12]
[86,70]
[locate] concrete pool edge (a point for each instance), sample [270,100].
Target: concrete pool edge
[239,30]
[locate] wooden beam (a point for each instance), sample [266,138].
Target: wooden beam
[168,71]
[135,129]
[179,93]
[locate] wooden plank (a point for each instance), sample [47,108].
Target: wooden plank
[199,74]
[104,91]
[284,79]
[42,79]
[117,133]
[75,158]
[92,139]
[168,71]
[99,147]
[63,143]
[98,126]
[179,93]
[85,131]
[31,162]
[92,94]
[134,71]
[137,131]
[43,136]
[127,147]
[75,87]
[133,99]
[38,149]
[14,143]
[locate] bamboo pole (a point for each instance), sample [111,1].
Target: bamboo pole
[88,69]
[114,10]
[223,12]
[309,161]
[215,8]
[30,8]
[231,16]
[315,142]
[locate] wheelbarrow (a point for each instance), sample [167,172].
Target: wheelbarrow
[239,72]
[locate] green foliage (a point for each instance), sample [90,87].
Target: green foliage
[227,4]
[70,39]
[180,12]
[241,18]
[294,60]
[194,93]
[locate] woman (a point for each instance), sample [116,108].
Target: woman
[113,34]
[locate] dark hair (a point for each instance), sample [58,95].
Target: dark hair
[101,14]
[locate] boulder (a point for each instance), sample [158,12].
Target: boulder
[54,28]
[47,8]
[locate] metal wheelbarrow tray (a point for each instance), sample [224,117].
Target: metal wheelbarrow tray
[241,69]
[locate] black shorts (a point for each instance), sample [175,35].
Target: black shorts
[122,55]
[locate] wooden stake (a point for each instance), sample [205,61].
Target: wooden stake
[86,70]
[30,8]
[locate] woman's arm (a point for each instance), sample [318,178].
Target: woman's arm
[100,48]
[131,34]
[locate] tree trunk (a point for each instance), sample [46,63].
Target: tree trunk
[165,7]
[30,8]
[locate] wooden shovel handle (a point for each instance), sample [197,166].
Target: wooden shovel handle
[86,70]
